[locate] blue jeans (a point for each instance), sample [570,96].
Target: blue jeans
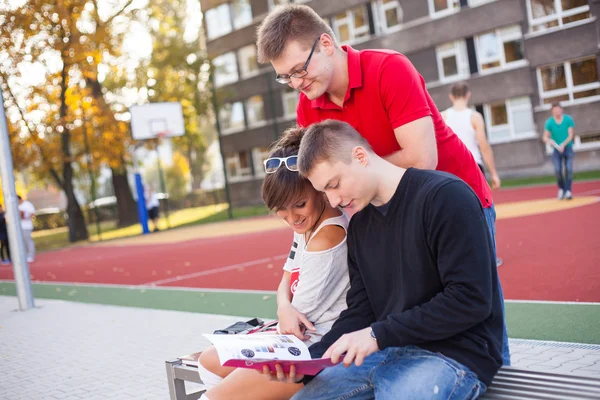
[396,373]
[564,183]
[490,216]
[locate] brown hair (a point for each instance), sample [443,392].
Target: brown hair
[285,23]
[460,90]
[330,140]
[282,187]
[556,104]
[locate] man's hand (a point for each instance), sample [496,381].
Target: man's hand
[280,376]
[496,182]
[561,148]
[357,346]
[293,322]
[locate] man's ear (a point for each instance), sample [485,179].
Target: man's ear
[361,155]
[327,43]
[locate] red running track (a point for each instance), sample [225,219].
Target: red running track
[551,256]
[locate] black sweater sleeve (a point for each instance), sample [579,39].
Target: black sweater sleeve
[458,237]
[359,313]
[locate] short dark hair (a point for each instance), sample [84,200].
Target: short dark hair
[329,140]
[283,186]
[290,22]
[460,90]
[556,104]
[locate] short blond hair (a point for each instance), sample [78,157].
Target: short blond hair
[329,141]
[290,22]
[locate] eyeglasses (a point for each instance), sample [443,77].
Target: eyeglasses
[302,72]
[272,164]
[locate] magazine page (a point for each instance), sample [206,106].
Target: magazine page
[256,351]
[259,347]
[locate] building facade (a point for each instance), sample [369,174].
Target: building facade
[519,56]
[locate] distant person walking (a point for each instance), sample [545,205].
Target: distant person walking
[469,126]
[559,133]
[152,205]
[4,249]
[27,211]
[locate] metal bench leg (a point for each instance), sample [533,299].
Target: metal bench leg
[176,386]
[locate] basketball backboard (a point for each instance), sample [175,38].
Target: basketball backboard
[149,121]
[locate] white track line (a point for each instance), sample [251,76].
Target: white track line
[589,192]
[551,302]
[214,271]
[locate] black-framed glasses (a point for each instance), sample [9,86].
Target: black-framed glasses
[285,79]
[273,163]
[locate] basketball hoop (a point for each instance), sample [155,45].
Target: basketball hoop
[162,134]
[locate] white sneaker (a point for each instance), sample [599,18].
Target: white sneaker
[568,195]
[561,194]
[30,259]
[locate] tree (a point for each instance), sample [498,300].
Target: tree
[177,71]
[68,39]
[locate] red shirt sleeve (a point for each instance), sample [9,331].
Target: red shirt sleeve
[402,91]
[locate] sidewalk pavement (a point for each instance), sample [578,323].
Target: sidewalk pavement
[66,350]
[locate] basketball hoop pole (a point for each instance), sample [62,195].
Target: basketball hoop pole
[162,182]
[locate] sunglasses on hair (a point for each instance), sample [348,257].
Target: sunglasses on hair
[273,163]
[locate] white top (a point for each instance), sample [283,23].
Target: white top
[152,201]
[320,290]
[27,210]
[460,123]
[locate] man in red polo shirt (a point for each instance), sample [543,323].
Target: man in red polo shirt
[378,92]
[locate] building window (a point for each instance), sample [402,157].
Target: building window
[275,3]
[225,69]
[255,110]
[547,14]
[452,61]
[248,63]
[290,102]
[569,81]
[238,165]
[389,13]
[475,3]
[352,24]
[441,8]
[231,117]
[499,49]
[509,120]
[242,13]
[259,155]
[218,21]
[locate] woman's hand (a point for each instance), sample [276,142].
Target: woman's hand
[280,376]
[293,322]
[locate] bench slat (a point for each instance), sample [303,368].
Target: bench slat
[515,381]
[536,393]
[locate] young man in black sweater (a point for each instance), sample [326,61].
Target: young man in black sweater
[424,317]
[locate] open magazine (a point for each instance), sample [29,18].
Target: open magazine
[255,351]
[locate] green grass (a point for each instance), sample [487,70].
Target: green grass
[578,323]
[541,180]
[52,239]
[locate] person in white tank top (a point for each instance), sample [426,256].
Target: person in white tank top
[469,127]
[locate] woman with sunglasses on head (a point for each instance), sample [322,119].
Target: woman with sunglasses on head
[312,292]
